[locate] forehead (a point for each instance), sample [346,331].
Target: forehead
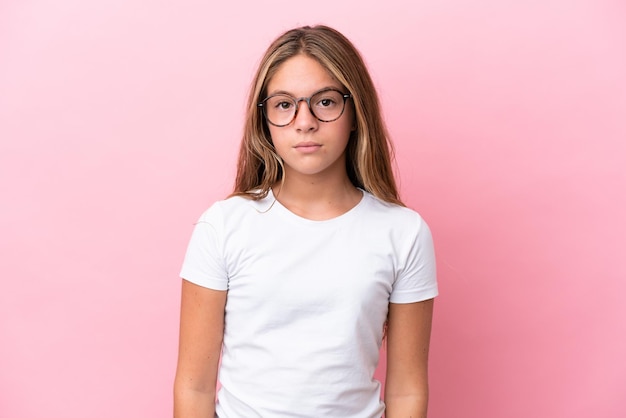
[301,75]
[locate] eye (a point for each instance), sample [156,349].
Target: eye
[283,105]
[280,103]
[327,99]
[325,102]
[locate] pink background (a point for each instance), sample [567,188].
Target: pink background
[119,124]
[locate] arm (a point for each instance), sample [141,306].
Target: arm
[200,344]
[408,340]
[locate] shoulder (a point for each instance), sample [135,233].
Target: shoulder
[393,214]
[234,205]
[232,213]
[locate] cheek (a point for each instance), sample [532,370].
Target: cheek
[273,133]
[351,116]
[277,138]
[348,126]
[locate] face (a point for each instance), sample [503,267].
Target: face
[308,146]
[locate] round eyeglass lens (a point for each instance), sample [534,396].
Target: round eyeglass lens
[327,105]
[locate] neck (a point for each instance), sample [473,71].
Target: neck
[317,197]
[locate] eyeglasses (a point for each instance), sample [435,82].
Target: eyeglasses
[326,105]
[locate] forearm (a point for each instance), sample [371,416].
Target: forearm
[408,339]
[201,333]
[190,403]
[406,406]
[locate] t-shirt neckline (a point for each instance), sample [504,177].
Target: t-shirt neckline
[340,218]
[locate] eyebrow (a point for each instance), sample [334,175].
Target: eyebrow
[312,94]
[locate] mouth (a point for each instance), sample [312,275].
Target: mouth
[307,146]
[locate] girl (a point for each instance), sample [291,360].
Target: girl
[295,279]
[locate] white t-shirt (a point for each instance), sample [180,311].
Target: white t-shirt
[307,301]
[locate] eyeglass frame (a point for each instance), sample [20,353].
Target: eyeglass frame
[296,101]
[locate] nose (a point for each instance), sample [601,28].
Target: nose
[304,119]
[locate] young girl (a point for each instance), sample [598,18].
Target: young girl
[298,276]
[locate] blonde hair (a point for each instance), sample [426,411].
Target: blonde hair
[369,151]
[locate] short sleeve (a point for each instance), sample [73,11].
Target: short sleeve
[417,276]
[204,262]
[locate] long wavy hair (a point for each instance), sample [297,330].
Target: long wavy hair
[369,151]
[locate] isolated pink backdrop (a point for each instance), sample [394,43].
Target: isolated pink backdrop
[119,124]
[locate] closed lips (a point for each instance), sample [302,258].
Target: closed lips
[307,145]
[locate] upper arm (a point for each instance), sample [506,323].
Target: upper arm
[408,341]
[201,335]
